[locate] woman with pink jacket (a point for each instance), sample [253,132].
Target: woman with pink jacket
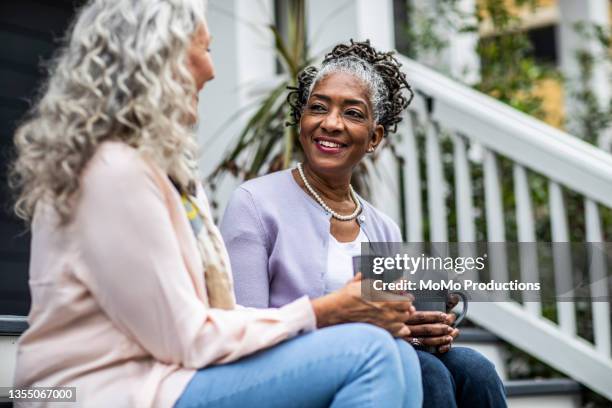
[132,297]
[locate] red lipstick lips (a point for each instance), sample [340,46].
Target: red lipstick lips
[328,145]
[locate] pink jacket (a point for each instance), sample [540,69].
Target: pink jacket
[115,306]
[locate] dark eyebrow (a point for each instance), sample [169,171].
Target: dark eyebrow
[324,97]
[346,101]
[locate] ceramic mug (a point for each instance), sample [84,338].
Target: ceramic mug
[424,300]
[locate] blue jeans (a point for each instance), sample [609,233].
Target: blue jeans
[460,378]
[349,365]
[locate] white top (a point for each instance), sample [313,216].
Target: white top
[340,261]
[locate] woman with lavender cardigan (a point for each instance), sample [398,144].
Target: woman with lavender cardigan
[294,232]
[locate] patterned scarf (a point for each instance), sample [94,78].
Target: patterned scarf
[219,286]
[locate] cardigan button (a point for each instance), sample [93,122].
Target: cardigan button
[362,218]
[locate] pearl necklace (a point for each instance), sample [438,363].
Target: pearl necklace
[325,206]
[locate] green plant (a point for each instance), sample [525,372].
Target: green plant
[590,116]
[509,72]
[426,32]
[265,144]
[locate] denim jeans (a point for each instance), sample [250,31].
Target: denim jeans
[349,365]
[460,378]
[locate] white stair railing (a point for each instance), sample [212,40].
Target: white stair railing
[477,122]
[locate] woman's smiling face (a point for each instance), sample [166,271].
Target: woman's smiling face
[337,125]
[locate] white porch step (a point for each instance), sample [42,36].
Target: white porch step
[8,356]
[552,393]
[11,328]
[544,393]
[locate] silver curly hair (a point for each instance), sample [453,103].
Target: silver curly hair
[120,75]
[365,72]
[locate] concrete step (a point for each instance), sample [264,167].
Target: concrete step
[541,393]
[8,356]
[12,325]
[550,393]
[11,328]
[544,393]
[553,393]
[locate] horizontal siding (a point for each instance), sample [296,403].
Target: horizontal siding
[16,83]
[25,50]
[9,116]
[47,18]
[15,296]
[30,32]
[14,238]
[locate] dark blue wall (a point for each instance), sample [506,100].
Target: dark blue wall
[29,34]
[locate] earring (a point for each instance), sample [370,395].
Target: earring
[370,150]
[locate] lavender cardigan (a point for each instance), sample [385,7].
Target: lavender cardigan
[277,238]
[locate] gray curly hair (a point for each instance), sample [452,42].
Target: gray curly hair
[120,75]
[377,90]
[379,71]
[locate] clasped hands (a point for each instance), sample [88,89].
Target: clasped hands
[397,317]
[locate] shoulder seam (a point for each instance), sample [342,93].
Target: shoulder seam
[257,217]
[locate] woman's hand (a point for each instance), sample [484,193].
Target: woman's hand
[446,347]
[451,301]
[432,329]
[347,306]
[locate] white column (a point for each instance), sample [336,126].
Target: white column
[459,58]
[330,23]
[588,12]
[243,55]
[463,60]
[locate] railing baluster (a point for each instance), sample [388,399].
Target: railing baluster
[561,257]
[526,234]
[385,195]
[494,209]
[412,179]
[435,185]
[564,161]
[466,231]
[466,228]
[599,288]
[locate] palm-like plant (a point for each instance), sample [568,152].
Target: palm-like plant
[266,140]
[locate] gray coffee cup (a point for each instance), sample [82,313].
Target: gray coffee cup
[439,305]
[424,300]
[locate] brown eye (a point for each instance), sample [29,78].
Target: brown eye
[316,107]
[355,113]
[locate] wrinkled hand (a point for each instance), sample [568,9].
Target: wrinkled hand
[433,329]
[347,306]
